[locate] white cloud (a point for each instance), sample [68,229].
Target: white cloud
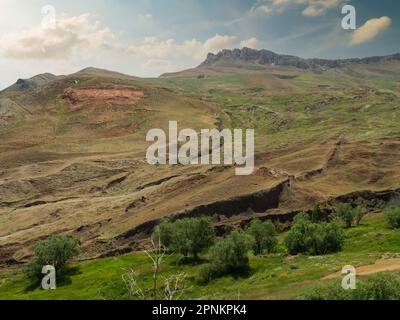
[70,36]
[153,48]
[249,43]
[313,11]
[370,30]
[318,7]
[312,8]
[263,9]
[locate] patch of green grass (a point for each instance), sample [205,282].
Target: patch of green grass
[272,276]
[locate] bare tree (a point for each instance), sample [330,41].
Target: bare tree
[173,285]
[134,288]
[156,255]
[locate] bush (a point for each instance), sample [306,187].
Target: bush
[344,211]
[228,256]
[163,233]
[312,238]
[55,251]
[316,214]
[384,286]
[186,236]
[393,217]
[359,213]
[349,214]
[264,234]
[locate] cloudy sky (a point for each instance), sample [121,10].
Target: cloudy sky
[150,37]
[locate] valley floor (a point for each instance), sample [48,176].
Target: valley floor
[371,248]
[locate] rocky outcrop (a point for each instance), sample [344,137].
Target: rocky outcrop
[265,57]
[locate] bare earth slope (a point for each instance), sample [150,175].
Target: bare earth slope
[72,150]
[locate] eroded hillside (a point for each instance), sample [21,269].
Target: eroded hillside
[72,150]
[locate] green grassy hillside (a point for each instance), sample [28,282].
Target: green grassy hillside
[276,276]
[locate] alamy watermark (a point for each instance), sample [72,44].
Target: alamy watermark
[349,21]
[349,281]
[49,280]
[188,147]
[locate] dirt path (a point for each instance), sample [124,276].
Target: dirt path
[380,266]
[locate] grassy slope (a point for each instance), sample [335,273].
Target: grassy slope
[272,277]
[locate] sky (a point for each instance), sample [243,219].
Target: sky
[149,37]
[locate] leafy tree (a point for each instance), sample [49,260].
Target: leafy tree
[327,238]
[229,255]
[344,211]
[316,214]
[163,233]
[359,213]
[186,236]
[264,234]
[393,217]
[312,238]
[298,239]
[350,214]
[55,251]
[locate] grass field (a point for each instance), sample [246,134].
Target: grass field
[276,276]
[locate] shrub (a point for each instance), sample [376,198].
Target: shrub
[393,217]
[264,234]
[231,254]
[55,251]
[349,214]
[228,256]
[359,213]
[312,238]
[163,234]
[328,237]
[186,236]
[316,214]
[298,239]
[344,211]
[384,286]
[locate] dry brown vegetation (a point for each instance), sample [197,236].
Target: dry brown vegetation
[75,163]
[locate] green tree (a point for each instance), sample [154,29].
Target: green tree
[344,211]
[55,251]
[163,233]
[264,234]
[359,213]
[393,217]
[298,239]
[312,238]
[186,236]
[349,214]
[231,254]
[316,214]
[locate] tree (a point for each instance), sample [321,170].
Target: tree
[173,284]
[298,239]
[359,213]
[164,233]
[392,212]
[264,234]
[231,254]
[344,211]
[55,251]
[312,238]
[187,236]
[393,217]
[316,214]
[350,214]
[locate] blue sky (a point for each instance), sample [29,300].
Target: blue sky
[150,37]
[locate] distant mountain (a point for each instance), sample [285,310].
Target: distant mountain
[265,57]
[38,80]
